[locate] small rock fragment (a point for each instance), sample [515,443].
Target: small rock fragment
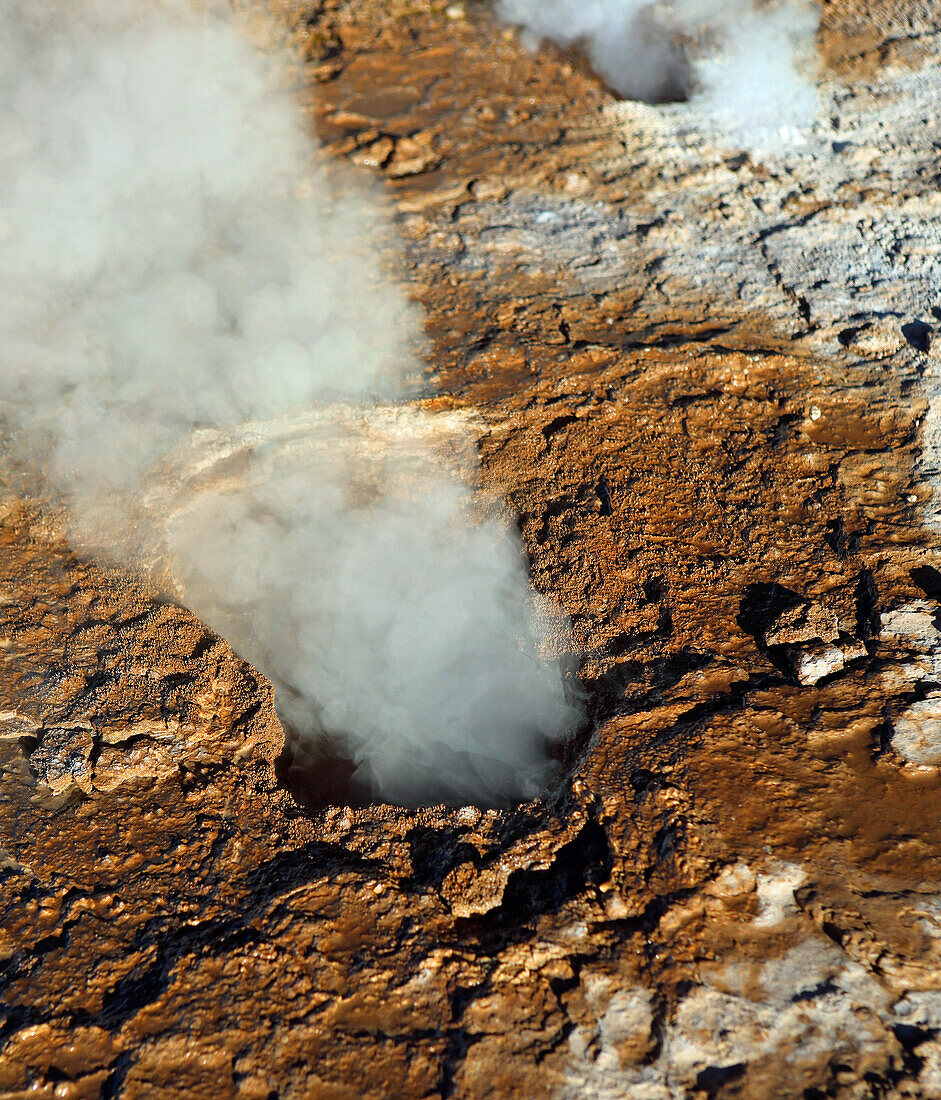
[377,153]
[817,662]
[473,891]
[872,340]
[804,623]
[917,732]
[411,156]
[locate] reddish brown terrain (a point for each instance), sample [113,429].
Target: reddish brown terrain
[711,410]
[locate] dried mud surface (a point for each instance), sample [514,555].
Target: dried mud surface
[704,382]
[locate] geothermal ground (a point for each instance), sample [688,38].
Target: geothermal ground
[705,381]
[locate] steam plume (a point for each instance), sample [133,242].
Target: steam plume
[179,278]
[747,62]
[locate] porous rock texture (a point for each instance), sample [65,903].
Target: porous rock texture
[705,380]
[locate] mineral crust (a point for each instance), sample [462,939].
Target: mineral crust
[704,380]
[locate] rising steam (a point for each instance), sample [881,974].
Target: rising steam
[179,279]
[748,62]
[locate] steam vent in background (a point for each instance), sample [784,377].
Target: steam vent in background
[470,504]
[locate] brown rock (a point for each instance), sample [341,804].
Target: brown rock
[683,381]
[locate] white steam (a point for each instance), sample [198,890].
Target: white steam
[175,269]
[748,62]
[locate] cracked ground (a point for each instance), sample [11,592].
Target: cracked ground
[704,382]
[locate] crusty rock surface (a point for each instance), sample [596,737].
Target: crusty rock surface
[706,382]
